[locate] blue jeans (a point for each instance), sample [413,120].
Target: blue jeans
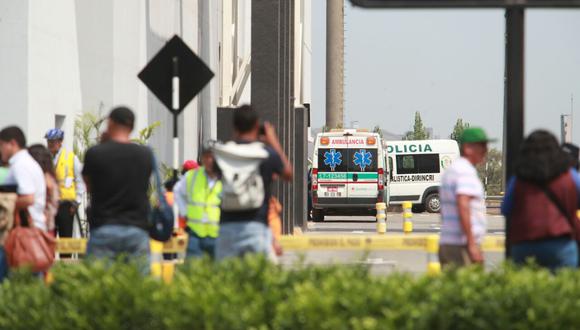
[550,253]
[3,264]
[197,246]
[118,241]
[239,238]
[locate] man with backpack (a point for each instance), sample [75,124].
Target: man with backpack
[247,165]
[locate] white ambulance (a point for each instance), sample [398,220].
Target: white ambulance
[415,169]
[348,168]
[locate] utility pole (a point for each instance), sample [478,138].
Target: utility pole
[334,63]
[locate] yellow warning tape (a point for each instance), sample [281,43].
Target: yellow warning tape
[177,244]
[375,242]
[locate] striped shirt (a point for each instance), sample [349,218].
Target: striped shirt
[461,179]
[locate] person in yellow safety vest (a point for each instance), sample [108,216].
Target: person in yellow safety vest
[70,181]
[198,195]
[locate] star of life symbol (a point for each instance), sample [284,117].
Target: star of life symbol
[333,159]
[363,159]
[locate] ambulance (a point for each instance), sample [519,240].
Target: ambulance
[415,169]
[348,173]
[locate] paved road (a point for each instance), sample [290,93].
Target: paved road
[383,262]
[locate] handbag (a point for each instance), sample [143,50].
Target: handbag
[161,217]
[28,246]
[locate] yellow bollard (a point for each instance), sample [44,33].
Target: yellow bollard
[381,218]
[407,217]
[156,258]
[168,270]
[433,265]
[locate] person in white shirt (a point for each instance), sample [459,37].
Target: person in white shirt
[25,173]
[463,213]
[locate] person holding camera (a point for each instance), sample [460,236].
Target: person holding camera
[247,166]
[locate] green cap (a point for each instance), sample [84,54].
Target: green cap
[474,135]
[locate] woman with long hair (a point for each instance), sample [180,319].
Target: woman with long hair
[541,203]
[43,157]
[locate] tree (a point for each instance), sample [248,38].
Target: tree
[419,131]
[88,128]
[491,172]
[458,129]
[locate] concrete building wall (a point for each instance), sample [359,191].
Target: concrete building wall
[14,63]
[61,58]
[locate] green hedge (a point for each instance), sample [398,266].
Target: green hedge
[253,294]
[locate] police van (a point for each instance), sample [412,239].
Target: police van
[415,169]
[348,168]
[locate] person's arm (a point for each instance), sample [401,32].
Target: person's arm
[272,140]
[24,201]
[180,195]
[464,212]
[508,201]
[86,171]
[87,183]
[79,183]
[26,188]
[576,178]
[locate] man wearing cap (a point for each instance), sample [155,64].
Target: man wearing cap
[70,181]
[198,196]
[463,212]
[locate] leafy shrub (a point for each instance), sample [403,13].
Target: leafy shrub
[254,294]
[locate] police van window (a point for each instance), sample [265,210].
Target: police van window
[412,164]
[332,160]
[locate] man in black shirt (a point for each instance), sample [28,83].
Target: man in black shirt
[117,175]
[244,232]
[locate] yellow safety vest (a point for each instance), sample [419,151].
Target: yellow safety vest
[65,170]
[203,206]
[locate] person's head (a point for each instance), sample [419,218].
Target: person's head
[246,122]
[12,140]
[541,159]
[121,122]
[54,138]
[43,157]
[207,160]
[474,145]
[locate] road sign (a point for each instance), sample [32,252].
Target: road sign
[175,59]
[465,3]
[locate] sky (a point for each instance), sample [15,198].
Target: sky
[448,64]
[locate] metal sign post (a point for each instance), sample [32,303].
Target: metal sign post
[175,75]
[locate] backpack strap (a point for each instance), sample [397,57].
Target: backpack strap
[554,199]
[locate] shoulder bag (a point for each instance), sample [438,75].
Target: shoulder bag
[28,246]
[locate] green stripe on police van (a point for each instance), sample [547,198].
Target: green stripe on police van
[344,176]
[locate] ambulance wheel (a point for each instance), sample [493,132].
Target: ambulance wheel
[433,203]
[318,215]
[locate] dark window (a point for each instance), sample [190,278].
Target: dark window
[332,160]
[412,164]
[362,160]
